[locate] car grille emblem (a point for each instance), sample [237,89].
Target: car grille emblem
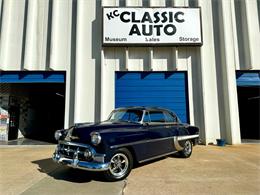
[75,156]
[67,150]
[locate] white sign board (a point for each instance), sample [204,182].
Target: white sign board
[151,26]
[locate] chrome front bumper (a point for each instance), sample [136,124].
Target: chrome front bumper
[70,154]
[75,163]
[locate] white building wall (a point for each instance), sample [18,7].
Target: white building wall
[66,35]
[61,24]
[35,49]
[208,75]
[1,2]
[11,42]
[227,86]
[252,21]
[62,49]
[86,65]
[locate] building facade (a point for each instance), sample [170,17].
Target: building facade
[65,36]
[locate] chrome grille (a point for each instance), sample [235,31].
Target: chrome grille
[72,152]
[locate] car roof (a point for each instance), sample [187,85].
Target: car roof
[148,108]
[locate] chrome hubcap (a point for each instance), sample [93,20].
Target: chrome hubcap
[187,147]
[118,165]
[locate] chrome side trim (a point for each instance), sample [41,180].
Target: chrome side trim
[178,138]
[155,157]
[185,137]
[177,145]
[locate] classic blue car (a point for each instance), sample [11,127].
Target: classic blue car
[132,134]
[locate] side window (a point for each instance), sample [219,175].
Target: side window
[157,116]
[170,118]
[146,117]
[132,116]
[135,116]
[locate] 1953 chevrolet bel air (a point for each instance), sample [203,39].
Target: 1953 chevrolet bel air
[131,134]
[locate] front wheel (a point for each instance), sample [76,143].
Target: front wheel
[121,165]
[187,149]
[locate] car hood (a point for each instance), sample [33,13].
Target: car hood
[81,131]
[105,125]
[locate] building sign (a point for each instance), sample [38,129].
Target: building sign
[151,26]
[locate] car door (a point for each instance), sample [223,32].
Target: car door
[160,134]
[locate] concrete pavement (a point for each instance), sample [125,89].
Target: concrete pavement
[210,170]
[29,170]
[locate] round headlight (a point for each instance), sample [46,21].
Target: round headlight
[95,138]
[58,135]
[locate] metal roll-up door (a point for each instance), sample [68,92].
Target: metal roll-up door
[163,89]
[32,104]
[32,77]
[248,93]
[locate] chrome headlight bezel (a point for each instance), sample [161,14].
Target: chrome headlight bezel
[95,138]
[58,134]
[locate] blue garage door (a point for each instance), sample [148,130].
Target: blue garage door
[164,89]
[248,78]
[32,77]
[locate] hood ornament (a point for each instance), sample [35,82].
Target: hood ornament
[74,137]
[70,137]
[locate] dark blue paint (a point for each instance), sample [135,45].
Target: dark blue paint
[142,141]
[32,77]
[164,89]
[248,78]
[116,133]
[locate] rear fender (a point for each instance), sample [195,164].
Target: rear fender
[193,130]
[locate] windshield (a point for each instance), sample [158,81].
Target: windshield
[126,115]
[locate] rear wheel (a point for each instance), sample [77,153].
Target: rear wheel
[187,149]
[121,165]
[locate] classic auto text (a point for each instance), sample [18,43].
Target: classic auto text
[150,22]
[151,26]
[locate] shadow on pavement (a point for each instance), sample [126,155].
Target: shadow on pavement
[60,172]
[139,165]
[175,156]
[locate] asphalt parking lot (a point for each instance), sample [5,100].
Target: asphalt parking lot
[210,170]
